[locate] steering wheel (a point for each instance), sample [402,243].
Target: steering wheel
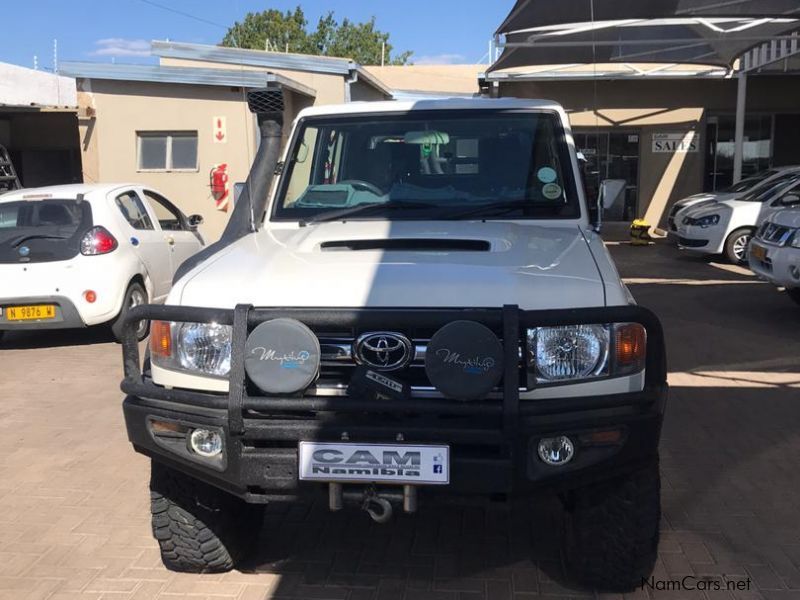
[363,185]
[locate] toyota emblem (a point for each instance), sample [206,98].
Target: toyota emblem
[383,351]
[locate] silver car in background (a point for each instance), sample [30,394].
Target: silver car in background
[745,186]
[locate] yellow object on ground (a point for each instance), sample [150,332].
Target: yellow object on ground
[640,233]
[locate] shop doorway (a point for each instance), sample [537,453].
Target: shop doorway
[612,155]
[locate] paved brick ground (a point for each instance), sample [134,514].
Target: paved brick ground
[74,507]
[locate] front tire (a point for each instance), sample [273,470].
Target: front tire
[612,530]
[199,528]
[135,296]
[736,245]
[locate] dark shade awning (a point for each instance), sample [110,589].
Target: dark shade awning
[538,13]
[707,42]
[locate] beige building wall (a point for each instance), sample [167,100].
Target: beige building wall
[123,108]
[648,107]
[330,88]
[454,79]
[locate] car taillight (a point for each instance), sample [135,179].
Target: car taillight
[98,240]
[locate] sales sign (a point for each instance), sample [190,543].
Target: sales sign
[675,142]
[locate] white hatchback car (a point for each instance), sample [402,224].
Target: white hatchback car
[726,226]
[84,254]
[775,250]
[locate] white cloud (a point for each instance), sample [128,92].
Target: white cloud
[121,47]
[439,59]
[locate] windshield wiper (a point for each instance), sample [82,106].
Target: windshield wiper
[337,215]
[490,209]
[16,242]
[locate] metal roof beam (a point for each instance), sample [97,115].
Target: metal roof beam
[182,75]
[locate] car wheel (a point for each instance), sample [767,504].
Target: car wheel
[135,296]
[612,529]
[794,294]
[2,333]
[199,528]
[736,245]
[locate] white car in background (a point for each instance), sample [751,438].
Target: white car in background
[726,226]
[750,184]
[775,250]
[85,254]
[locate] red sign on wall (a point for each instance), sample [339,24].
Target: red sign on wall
[220,131]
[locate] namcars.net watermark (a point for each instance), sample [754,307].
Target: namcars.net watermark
[691,582]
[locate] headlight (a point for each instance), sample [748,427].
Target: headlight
[569,352]
[202,348]
[579,352]
[702,221]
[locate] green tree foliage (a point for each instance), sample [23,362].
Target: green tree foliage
[277,31]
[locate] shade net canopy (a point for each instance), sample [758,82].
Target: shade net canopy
[538,13]
[706,41]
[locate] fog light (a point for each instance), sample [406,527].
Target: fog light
[556,450]
[206,443]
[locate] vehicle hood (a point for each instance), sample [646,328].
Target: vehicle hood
[532,266]
[694,199]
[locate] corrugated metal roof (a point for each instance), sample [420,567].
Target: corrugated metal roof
[183,75]
[254,58]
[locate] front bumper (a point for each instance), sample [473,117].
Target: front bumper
[493,443]
[779,265]
[708,240]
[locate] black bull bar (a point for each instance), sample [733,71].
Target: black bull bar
[500,423]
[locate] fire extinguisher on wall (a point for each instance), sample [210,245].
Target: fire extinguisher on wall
[220,190]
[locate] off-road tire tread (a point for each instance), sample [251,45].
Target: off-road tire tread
[612,531]
[199,528]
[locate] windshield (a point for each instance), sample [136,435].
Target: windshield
[749,183]
[765,192]
[48,229]
[429,165]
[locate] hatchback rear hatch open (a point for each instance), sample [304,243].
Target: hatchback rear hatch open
[42,230]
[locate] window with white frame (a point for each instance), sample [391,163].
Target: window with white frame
[166,150]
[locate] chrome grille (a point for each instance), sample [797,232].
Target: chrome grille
[338,361]
[772,233]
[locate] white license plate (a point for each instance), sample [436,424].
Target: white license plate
[389,463]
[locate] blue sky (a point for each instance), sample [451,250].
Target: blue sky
[454,31]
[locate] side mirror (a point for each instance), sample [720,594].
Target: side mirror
[789,200]
[195,221]
[237,190]
[610,191]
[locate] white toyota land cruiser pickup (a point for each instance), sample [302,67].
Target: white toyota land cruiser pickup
[412,302]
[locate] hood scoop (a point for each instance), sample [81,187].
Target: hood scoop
[407,245]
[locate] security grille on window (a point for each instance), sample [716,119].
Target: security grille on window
[167,151]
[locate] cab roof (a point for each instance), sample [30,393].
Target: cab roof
[461,103]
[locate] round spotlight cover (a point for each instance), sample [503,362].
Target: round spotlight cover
[282,356]
[464,360]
